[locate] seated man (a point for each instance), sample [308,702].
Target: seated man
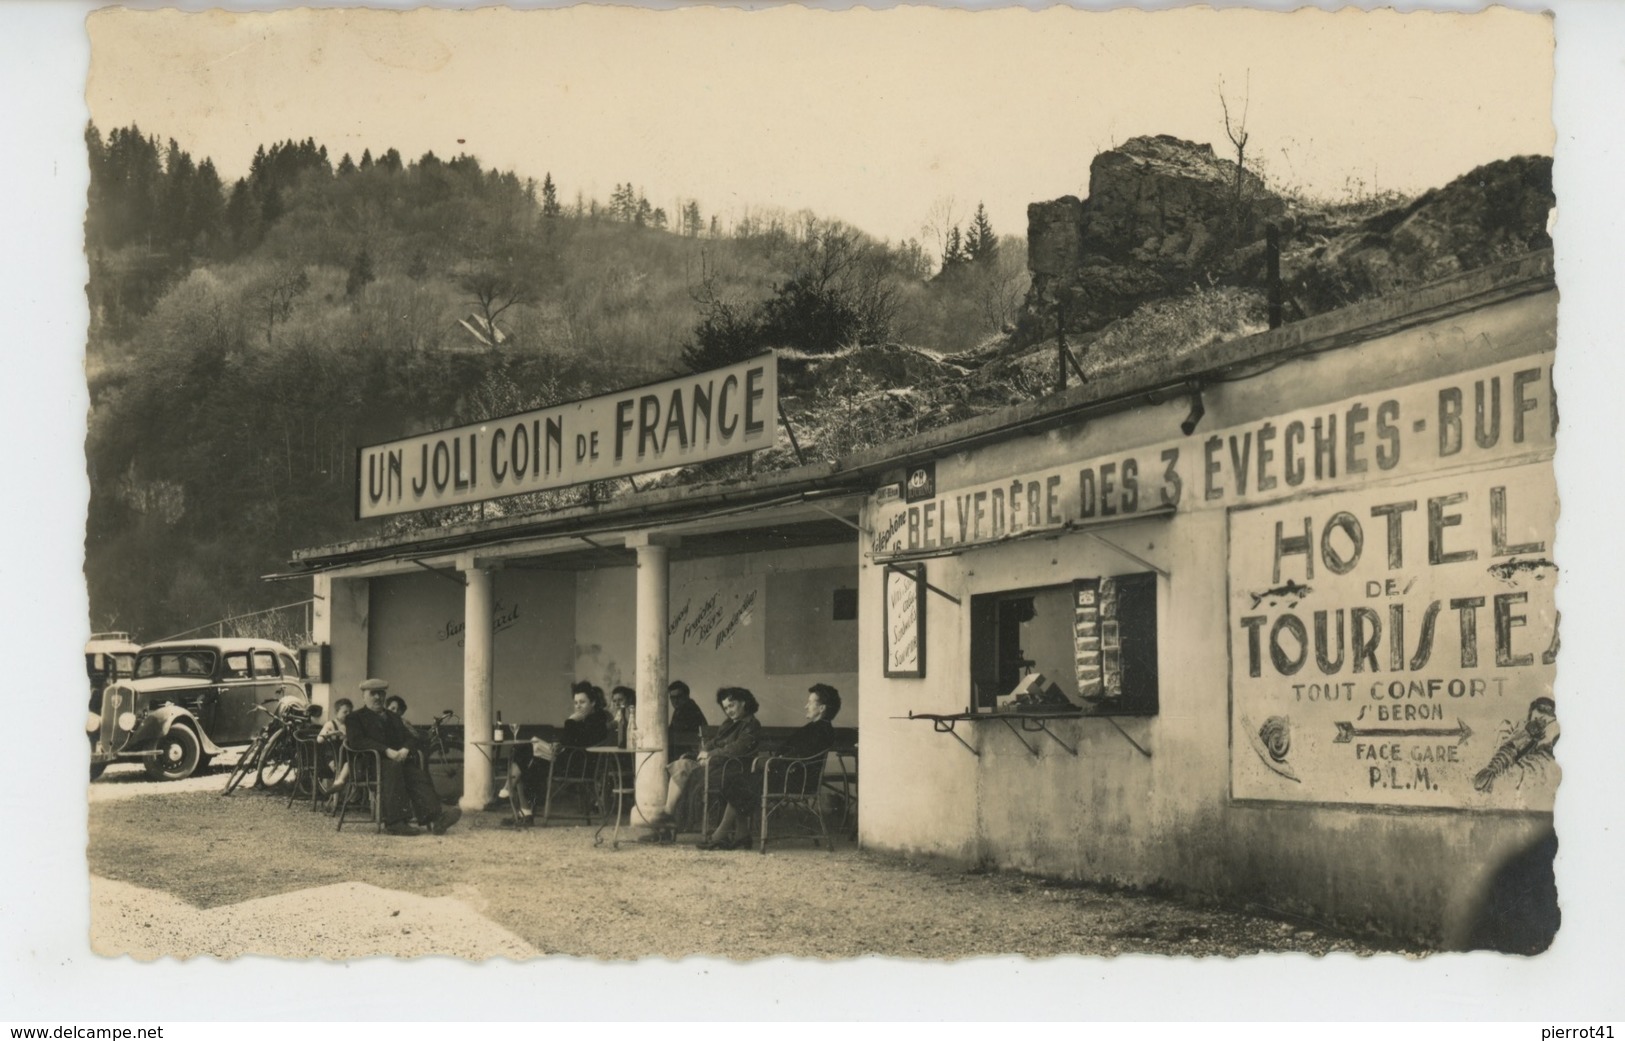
[738,738]
[743,792]
[404,788]
[683,732]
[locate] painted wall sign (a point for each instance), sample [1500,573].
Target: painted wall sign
[905,621]
[1500,413]
[1396,646]
[709,415]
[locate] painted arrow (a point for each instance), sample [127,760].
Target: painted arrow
[1347,732]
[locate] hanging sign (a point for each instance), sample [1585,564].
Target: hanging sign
[905,621]
[709,415]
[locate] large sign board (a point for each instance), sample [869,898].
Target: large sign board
[709,415]
[1502,412]
[1395,646]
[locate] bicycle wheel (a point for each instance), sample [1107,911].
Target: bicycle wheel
[279,762]
[245,764]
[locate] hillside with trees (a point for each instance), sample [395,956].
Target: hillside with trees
[245,338]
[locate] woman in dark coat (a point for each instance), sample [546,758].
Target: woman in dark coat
[587,725]
[742,793]
[738,738]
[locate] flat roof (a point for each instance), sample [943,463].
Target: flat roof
[835,484]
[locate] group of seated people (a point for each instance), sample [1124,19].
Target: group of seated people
[592,722]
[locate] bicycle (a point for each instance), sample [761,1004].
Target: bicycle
[272,756]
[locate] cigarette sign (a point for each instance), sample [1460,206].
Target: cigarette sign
[709,415]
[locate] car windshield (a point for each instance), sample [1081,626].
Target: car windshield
[199,663]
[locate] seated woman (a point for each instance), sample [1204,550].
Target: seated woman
[587,725]
[738,738]
[743,792]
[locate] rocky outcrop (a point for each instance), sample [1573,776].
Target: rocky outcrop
[1161,214]
[1496,211]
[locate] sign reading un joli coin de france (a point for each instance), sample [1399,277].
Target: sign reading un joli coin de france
[709,415]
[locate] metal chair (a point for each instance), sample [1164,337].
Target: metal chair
[366,767]
[791,787]
[307,761]
[845,783]
[572,770]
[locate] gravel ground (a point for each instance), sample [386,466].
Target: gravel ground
[209,875]
[350,920]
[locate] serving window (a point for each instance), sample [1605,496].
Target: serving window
[1088,645]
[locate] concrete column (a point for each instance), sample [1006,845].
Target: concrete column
[341,620]
[653,613]
[478,610]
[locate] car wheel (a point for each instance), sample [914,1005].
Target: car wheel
[277,763]
[177,757]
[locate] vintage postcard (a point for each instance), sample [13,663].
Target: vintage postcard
[922,483]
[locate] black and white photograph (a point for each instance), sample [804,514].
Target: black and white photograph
[612,486]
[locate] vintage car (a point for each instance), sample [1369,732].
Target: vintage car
[188,700]
[108,657]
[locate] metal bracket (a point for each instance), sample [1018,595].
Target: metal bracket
[457,578]
[1017,731]
[1109,544]
[1033,724]
[831,513]
[1137,747]
[945,595]
[945,725]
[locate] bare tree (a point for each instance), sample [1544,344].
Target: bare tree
[1237,131]
[941,221]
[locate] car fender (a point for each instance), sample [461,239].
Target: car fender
[165,717]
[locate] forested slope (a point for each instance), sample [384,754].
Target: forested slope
[246,338]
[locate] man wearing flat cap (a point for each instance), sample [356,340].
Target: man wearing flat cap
[404,788]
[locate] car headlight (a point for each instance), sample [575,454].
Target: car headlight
[126,721]
[93,722]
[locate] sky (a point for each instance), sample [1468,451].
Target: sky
[871,116]
[1481,97]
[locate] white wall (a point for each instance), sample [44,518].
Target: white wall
[722,632]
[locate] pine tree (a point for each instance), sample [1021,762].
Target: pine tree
[981,243]
[360,273]
[346,166]
[954,254]
[366,159]
[550,197]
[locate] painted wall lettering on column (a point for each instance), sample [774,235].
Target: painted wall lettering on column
[1396,646]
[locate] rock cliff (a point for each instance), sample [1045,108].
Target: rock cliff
[1166,217]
